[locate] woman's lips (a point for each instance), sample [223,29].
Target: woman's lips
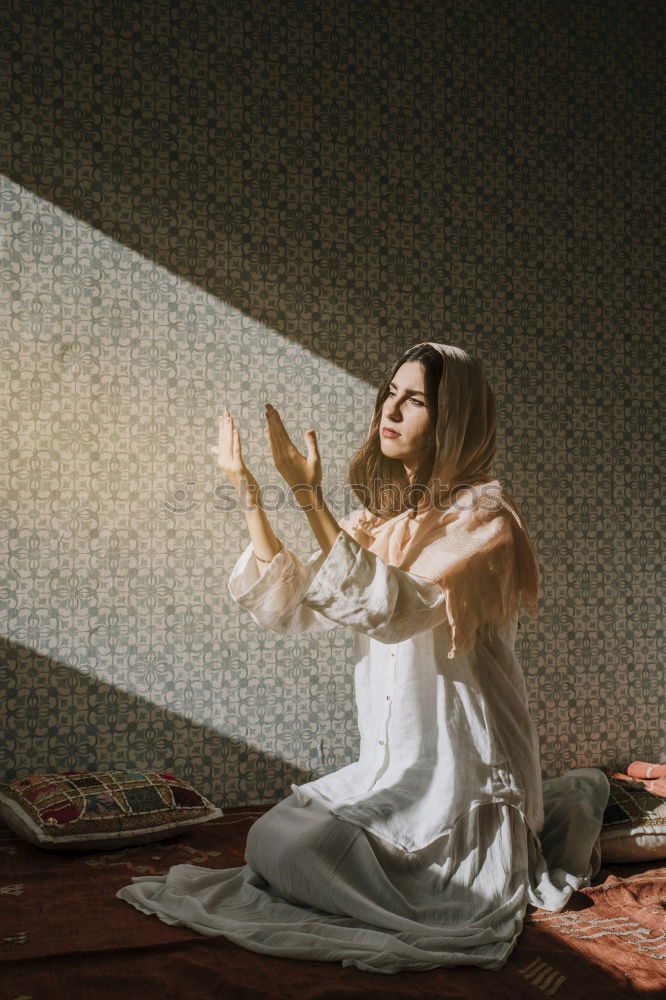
[389,433]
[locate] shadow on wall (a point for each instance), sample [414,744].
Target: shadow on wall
[354,180]
[71,721]
[200,142]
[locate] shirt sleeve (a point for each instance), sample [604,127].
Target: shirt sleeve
[354,587]
[273,599]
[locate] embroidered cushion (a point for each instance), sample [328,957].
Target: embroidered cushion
[634,823]
[81,810]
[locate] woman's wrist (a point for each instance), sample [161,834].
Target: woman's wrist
[248,491]
[271,557]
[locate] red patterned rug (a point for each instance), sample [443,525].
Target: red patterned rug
[63,934]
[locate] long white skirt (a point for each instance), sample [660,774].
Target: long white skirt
[318,887]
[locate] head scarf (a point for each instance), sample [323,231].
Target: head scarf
[466,534]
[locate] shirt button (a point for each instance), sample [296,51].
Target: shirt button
[381,743]
[388,697]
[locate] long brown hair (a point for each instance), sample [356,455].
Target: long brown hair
[380,482]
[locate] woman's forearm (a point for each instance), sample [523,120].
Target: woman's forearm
[263,538]
[324,526]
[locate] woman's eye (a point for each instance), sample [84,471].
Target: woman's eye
[417,401]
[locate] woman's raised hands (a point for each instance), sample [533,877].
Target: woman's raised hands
[299,471]
[230,455]
[296,469]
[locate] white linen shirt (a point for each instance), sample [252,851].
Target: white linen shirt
[438,736]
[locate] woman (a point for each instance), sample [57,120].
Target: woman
[425,851]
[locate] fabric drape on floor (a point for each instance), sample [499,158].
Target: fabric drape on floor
[318,887]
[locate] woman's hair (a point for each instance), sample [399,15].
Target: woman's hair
[380,482]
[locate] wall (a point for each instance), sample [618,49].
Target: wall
[221,204]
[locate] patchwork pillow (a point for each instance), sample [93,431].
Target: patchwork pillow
[86,810]
[634,823]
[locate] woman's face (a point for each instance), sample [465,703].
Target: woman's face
[404,411]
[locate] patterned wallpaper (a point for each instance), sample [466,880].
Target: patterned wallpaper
[211,204]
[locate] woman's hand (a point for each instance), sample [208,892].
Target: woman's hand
[296,469]
[230,456]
